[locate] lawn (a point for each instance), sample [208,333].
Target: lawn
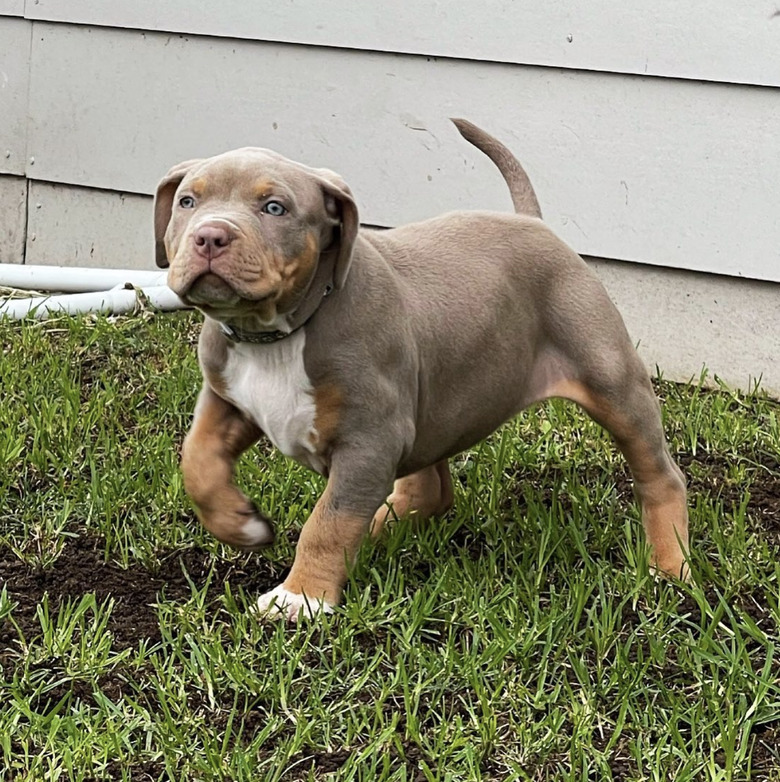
[520,637]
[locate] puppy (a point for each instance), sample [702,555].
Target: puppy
[374,356]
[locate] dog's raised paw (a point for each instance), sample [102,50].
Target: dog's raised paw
[280,603]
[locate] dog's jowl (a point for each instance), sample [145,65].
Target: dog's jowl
[374,356]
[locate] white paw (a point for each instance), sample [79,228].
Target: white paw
[257,532]
[279,603]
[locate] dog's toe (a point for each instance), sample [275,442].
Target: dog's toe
[280,603]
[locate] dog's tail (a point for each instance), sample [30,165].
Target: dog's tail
[520,187]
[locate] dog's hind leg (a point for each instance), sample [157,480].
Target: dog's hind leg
[219,434]
[425,493]
[621,399]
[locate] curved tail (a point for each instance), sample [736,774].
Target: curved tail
[520,187]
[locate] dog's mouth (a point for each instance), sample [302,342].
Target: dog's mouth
[218,299]
[213,290]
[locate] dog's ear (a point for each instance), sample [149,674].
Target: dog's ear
[163,206]
[341,207]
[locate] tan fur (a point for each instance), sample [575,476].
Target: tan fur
[213,357]
[296,272]
[658,482]
[219,434]
[419,496]
[199,187]
[321,562]
[328,399]
[264,187]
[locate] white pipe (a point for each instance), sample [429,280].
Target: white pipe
[74,279]
[117,301]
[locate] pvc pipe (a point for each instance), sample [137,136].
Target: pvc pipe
[116,301]
[74,279]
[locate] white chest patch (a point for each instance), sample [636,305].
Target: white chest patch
[269,384]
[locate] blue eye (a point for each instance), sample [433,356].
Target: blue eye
[274,208]
[186,202]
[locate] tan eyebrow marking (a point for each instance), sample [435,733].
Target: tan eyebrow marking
[264,187]
[198,186]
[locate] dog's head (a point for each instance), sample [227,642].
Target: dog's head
[243,232]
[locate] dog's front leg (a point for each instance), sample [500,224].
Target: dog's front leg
[219,434]
[330,538]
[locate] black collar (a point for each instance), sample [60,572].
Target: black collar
[235,334]
[253,337]
[320,286]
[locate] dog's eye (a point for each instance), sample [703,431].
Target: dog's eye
[275,209]
[186,202]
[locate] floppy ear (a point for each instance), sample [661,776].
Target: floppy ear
[342,208]
[163,207]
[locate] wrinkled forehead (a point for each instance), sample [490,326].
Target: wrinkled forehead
[251,172]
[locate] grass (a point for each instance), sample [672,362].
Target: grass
[518,638]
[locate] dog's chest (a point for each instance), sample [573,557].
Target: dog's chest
[269,384]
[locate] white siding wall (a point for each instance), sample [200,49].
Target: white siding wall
[649,129]
[715,40]
[80,226]
[12,7]
[15,36]
[13,218]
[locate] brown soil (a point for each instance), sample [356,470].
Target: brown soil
[81,569]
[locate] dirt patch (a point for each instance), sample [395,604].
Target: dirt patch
[144,772]
[81,569]
[323,762]
[706,474]
[766,752]
[303,764]
[116,770]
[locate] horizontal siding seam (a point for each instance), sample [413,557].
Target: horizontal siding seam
[400,53]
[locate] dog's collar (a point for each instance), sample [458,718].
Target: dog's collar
[320,287]
[235,334]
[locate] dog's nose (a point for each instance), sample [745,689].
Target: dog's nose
[211,240]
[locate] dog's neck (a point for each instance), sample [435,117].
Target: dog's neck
[319,287]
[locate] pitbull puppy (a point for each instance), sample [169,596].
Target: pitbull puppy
[374,356]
